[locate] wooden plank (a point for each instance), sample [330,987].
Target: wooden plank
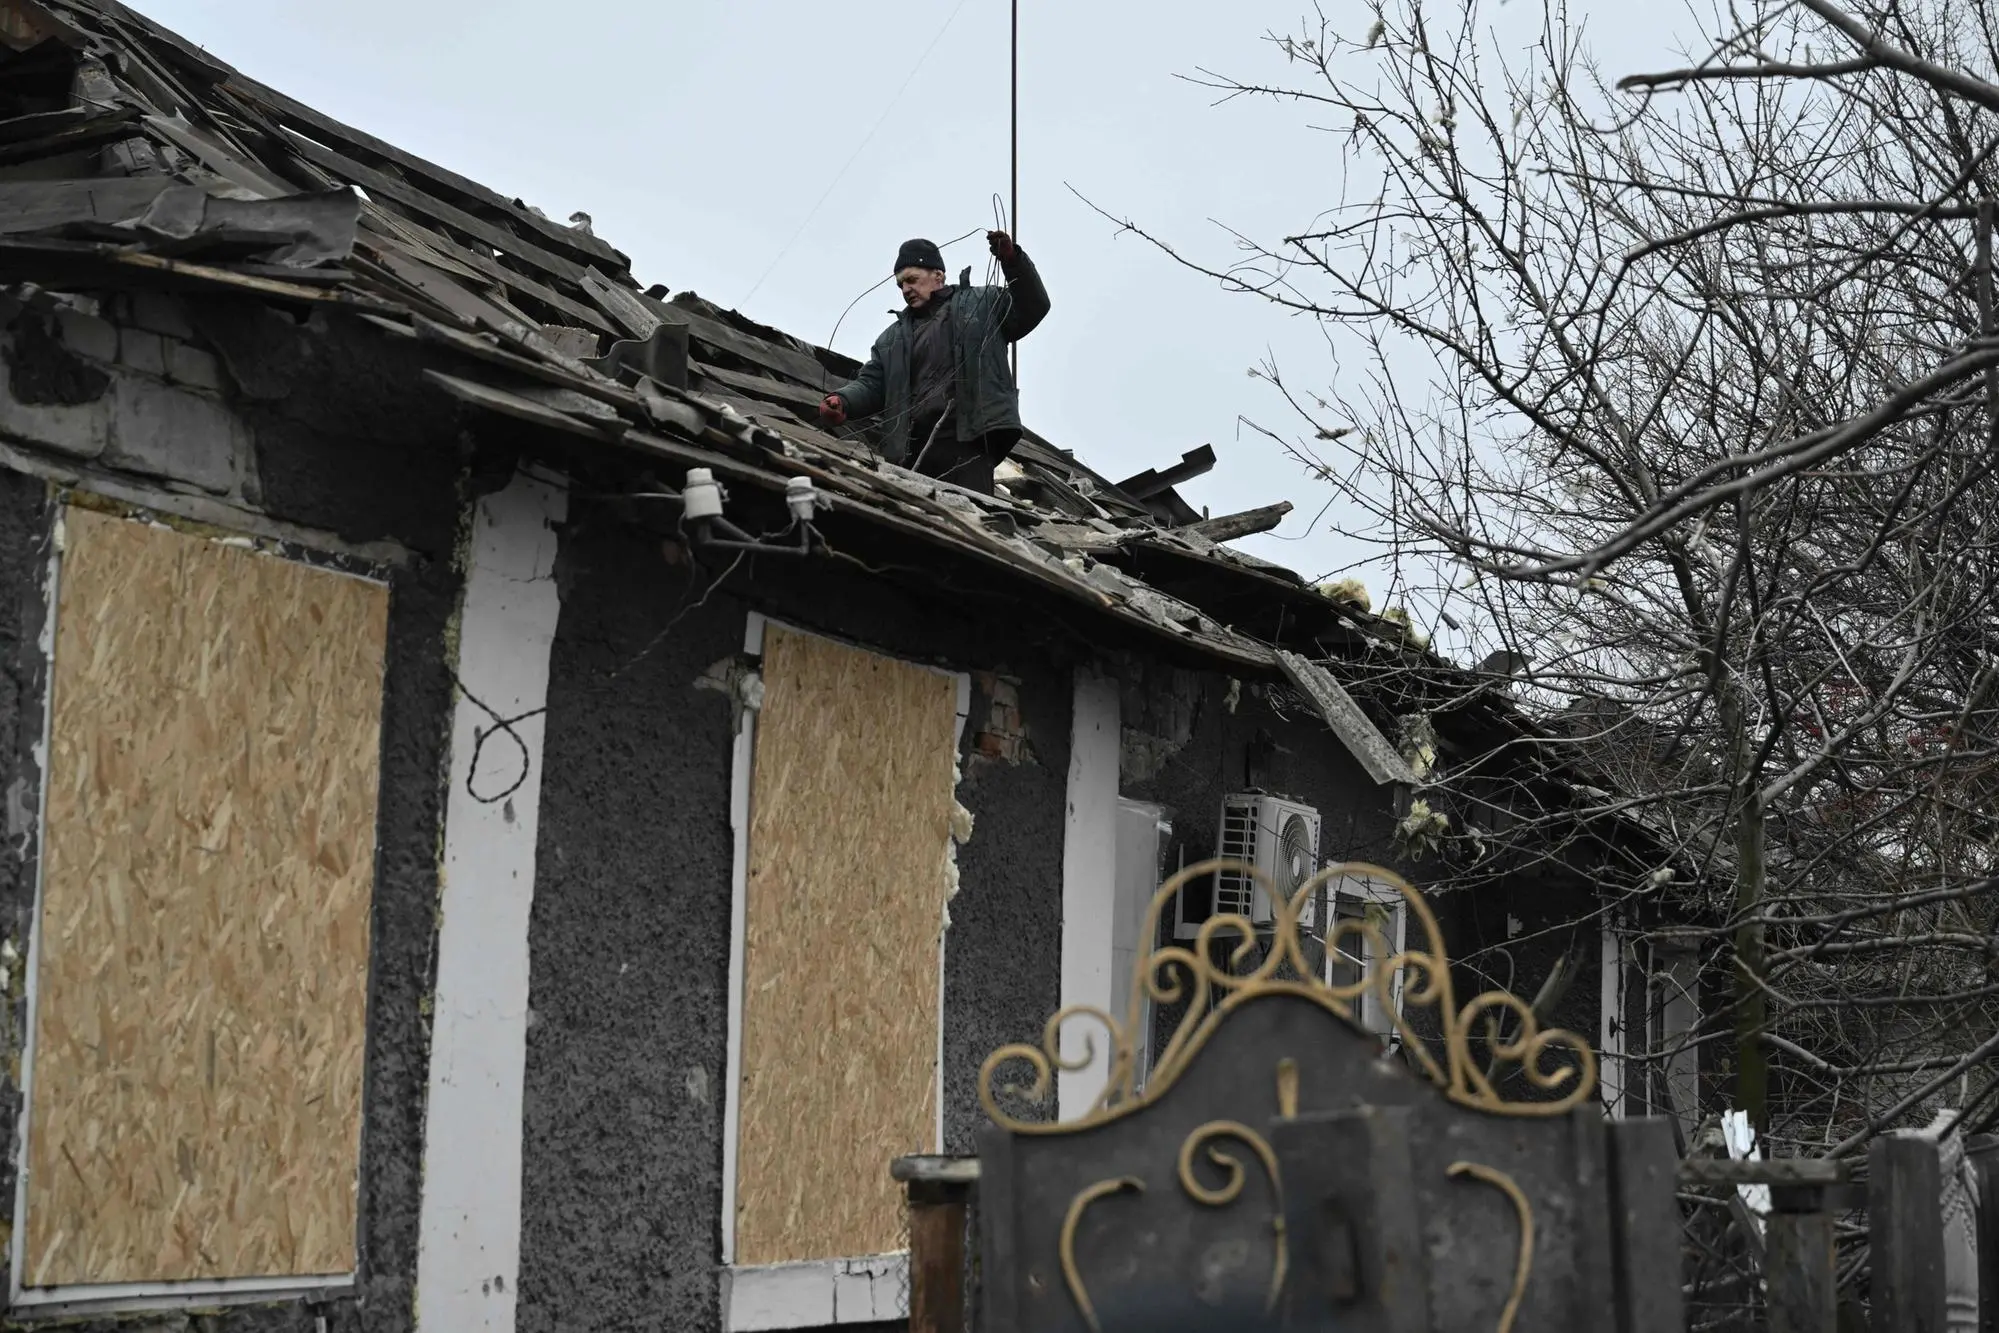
[38,259]
[783,360]
[203,951]
[483,348]
[417,201]
[1228,527]
[623,305]
[767,414]
[1697,1171]
[514,405]
[1383,762]
[1803,1293]
[40,123]
[854,780]
[101,129]
[1595,1277]
[1905,1234]
[936,1257]
[1645,1226]
[935,1168]
[798,397]
[584,249]
[415,234]
[457,299]
[233,166]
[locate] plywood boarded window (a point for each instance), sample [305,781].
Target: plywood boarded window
[199,1012]
[850,827]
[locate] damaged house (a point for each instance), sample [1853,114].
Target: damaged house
[509,825]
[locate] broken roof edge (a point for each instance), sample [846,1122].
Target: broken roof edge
[1383,762]
[481,266]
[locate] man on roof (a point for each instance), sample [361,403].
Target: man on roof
[938,376]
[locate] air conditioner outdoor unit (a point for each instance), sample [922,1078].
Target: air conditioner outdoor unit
[1278,837]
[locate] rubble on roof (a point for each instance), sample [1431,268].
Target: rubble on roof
[200,178]
[131,159]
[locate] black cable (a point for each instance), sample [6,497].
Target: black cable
[481,735]
[922,62]
[685,610]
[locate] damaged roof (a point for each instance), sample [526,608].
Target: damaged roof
[130,158]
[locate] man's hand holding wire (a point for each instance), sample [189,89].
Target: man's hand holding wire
[832,410]
[1001,245]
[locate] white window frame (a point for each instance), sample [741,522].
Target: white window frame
[1673,997]
[1613,973]
[1373,892]
[813,1293]
[1134,894]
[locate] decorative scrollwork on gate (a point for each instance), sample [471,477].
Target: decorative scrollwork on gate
[1072,1273]
[1213,990]
[1523,1263]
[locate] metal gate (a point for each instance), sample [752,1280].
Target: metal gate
[1276,1170]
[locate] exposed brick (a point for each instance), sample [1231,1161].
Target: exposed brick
[1003,736]
[161,431]
[161,314]
[995,746]
[142,351]
[191,365]
[87,335]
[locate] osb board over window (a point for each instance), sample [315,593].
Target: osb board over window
[196,1070]
[850,817]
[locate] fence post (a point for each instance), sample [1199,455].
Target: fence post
[1983,1150]
[1645,1226]
[1905,1235]
[1798,1261]
[937,1190]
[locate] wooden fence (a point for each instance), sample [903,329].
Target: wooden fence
[1798,1259]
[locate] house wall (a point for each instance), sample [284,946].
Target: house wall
[267,431]
[135,404]
[325,436]
[630,932]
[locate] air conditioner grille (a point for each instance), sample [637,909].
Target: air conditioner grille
[1296,852]
[1235,892]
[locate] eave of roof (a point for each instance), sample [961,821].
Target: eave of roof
[419,252]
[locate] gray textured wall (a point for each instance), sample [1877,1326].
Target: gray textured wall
[630,933]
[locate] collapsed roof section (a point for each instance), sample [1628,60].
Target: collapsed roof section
[129,158]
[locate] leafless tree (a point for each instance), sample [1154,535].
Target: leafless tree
[1675,398]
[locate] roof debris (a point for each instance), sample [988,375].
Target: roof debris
[130,159]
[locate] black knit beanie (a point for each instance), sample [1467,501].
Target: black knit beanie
[918,254]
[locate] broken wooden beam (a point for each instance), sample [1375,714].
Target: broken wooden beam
[1152,481]
[1248,523]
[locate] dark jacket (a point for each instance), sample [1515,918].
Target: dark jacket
[983,320]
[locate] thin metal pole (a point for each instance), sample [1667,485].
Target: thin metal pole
[1013,191]
[1013,201]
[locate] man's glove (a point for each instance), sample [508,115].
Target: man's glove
[1002,246]
[832,412]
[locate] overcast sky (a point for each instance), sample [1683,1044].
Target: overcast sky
[699,134]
